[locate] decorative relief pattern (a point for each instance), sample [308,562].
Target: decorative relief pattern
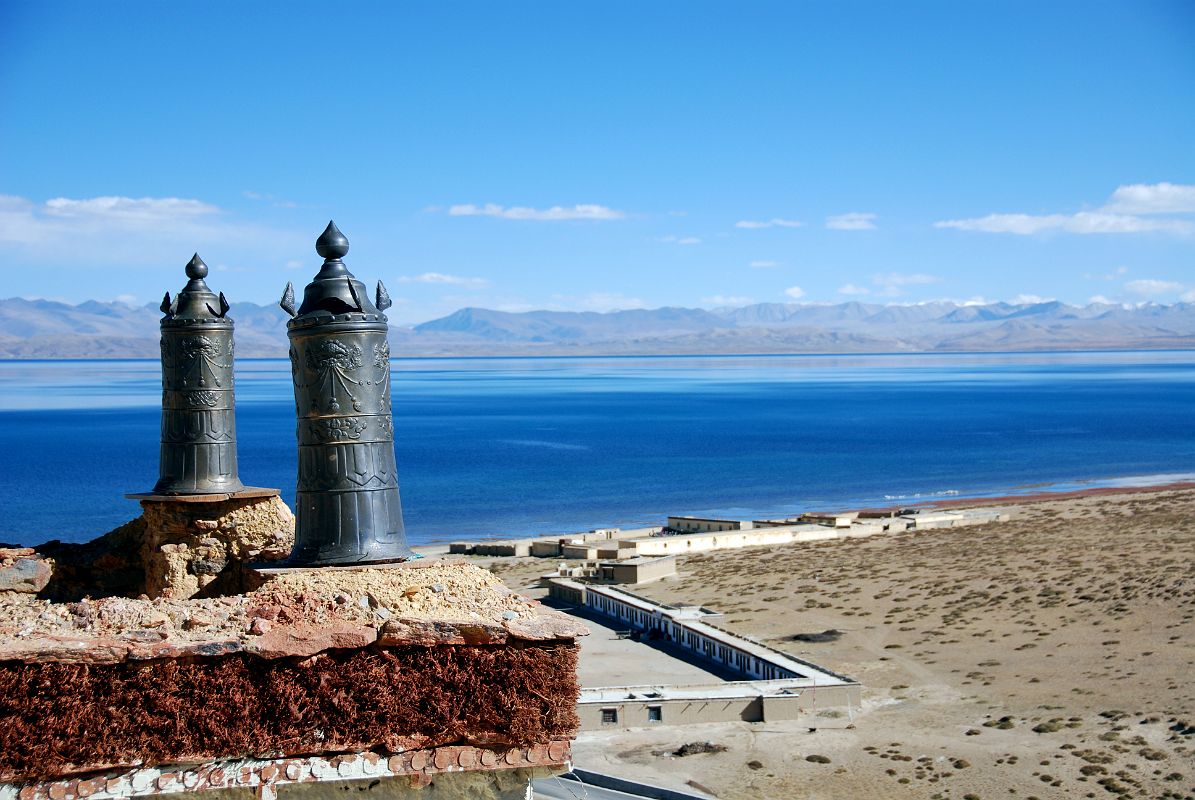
[337,429]
[198,360]
[381,355]
[331,353]
[332,360]
[205,398]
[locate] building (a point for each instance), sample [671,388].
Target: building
[705,525]
[776,685]
[637,570]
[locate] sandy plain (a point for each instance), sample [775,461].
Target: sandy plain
[1051,656]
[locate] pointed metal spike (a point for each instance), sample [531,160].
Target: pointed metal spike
[288,299]
[382,297]
[353,292]
[224,305]
[165,307]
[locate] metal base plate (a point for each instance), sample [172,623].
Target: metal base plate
[218,497]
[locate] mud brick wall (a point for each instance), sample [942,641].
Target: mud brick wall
[63,718]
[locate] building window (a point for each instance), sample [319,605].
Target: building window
[655,714]
[609,716]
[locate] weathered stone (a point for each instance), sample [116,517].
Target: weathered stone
[307,639]
[22,570]
[401,631]
[189,548]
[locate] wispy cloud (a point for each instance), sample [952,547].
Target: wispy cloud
[763,264]
[441,278]
[726,300]
[1130,209]
[795,292]
[126,211]
[1156,198]
[852,290]
[1114,275]
[1150,287]
[680,239]
[132,230]
[774,222]
[893,283]
[585,211]
[1084,222]
[264,197]
[854,221]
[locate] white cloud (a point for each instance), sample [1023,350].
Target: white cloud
[553,214]
[1155,198]
[763,264]
[680,239]
[1084,222]
[724,300]
[126,299]
[1029,299]
[1114,275]
[128,230]
[1149,287]
[277,202]
[1099,298]
[1188,297]
[854,221]
[892,283]
[127,210]
[795,292]
[441,278]
[853,290]
[1126,211]
[904,279]
[774,222]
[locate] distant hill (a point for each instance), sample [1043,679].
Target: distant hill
[46,329]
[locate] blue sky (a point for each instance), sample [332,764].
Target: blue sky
[602,155]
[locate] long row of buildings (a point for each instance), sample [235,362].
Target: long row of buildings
[612,555]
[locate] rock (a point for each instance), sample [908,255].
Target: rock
[193,548]
[259,626]
[22,570]
[196,621]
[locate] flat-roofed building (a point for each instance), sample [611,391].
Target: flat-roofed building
[637,570]
[706,525]
[776,685]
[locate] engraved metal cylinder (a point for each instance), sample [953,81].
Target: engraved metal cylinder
[347,505]
[198,444]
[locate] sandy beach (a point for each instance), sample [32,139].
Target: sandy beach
[1050,656]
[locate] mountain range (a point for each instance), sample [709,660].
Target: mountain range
[49,329]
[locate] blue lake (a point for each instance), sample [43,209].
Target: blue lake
[490,447]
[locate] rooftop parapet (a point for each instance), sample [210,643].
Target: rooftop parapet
[382,662]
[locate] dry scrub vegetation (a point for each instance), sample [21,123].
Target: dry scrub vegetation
[1050,656]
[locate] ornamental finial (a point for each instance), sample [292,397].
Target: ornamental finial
[332,244]
[196,269]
